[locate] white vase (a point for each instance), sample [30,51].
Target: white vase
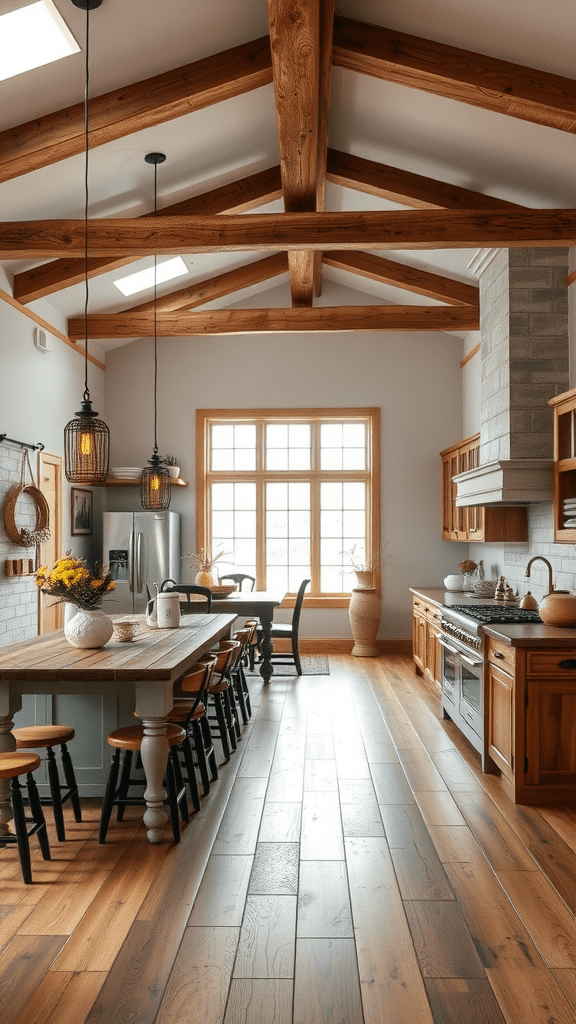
[174,472]
[364,577]
[88,629]
[364,612]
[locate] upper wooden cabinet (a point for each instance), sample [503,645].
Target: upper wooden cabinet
[475,523]
[564,407]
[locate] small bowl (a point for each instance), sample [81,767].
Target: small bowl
[125,630]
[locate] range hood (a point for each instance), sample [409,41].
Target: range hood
[506,482]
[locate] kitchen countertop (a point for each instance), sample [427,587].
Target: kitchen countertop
[516,634]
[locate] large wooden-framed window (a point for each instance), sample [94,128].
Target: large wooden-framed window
[286,493]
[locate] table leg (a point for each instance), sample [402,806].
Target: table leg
[7,743]
[266,667]
[154,754]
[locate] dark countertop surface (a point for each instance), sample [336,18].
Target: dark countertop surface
[517,634]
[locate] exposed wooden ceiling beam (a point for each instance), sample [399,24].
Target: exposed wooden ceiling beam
[236,197]
[216,287]
[296,44]
[278,321]
[388,230]
[404,187]
[48,139]
[457,74]
[412,279]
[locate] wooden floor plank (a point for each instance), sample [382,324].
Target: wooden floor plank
[23,964]
[267,945]
[463,1001]
[499,841]
[443,944]
[326,986]
[323,900]
[62,997]
[201,977]
[240,824]
[259,1002]
[546,916]
[391,982]
[275,870]
[533,1000]
[321,836]
[222,893]
[281,822]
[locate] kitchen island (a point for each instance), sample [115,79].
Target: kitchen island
[147,668]
[527,702]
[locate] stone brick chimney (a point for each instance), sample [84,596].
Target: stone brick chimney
[524,353]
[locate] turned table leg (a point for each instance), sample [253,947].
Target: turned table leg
[154,754]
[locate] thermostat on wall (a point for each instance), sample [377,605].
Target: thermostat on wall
[41,340]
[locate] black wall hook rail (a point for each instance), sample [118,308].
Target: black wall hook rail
[22,444]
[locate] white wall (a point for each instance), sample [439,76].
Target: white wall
[415,379]
[39,394]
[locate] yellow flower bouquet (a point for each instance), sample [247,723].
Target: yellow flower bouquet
[71,580]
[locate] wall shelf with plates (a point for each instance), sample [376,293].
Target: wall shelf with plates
[111,481]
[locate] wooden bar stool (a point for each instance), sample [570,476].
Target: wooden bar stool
[191,697]
[244,637]
[12,765]
[50,736]
[221,696]
[127,741]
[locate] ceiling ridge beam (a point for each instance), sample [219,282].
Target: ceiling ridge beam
[461,75]
[309,319]
[56,136]
[379,230]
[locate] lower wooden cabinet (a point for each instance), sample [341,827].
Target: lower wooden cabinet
[426,647]
[530,701]
[499,706]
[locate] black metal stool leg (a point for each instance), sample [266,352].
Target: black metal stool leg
[173,800]
[71,782]
[56,795]
[186,748]
[198,743]
[181,797]
[21,830]
[209,745]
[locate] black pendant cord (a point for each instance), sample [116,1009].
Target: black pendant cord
[155,335]
[86,140]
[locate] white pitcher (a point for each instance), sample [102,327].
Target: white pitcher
[163,611]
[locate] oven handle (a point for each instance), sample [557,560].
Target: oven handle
[455,650]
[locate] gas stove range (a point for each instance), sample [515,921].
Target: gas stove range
[494,613]
[464,622]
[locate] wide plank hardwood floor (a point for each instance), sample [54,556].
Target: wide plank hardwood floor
[352,865]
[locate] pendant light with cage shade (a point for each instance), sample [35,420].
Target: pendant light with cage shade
[155,488]
[86,438]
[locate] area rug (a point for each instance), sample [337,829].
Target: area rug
[312,665]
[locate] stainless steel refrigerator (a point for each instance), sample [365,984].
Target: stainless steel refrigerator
[141,548]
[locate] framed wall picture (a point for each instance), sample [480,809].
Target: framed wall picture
[81,511]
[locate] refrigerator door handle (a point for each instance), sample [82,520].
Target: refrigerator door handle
[139,564]
[131,563]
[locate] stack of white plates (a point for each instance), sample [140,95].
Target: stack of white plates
[485,588]
[125,472]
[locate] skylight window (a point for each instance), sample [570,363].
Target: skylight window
[32,36]
[143,279]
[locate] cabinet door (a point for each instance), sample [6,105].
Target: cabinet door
[551,731]
[419,640]
[500,719]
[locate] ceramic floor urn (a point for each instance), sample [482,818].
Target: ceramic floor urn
[364,612]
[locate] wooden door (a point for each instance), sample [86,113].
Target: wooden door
[50,483]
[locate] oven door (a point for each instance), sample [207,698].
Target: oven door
[462,684]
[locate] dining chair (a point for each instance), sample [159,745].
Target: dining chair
[239,578]
[187,606]
[288,631]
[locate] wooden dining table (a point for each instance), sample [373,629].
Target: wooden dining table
[260,604]
[149,666]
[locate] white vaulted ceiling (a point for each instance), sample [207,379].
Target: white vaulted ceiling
[375,116]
